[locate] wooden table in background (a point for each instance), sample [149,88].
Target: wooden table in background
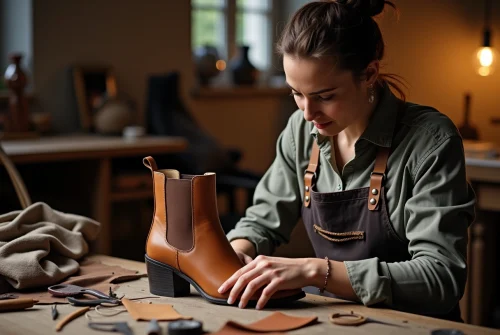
[94,147]
[484,174]
[38,320]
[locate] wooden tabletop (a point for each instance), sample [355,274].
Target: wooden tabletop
[37,320]
[70,147]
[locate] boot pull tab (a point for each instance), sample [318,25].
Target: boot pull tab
[150,163]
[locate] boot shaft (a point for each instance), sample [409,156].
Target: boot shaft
[180,201]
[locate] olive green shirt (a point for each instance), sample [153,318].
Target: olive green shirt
[429,201]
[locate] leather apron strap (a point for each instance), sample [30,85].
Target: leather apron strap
[310,174]
[376,178]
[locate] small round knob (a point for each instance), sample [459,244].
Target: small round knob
[307,188]
[307,198]
[373,201]
[374,191]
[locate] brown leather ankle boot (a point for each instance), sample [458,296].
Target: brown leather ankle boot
[186,243]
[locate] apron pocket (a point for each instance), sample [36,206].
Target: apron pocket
[339,237]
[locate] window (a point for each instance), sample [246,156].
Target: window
[226,24]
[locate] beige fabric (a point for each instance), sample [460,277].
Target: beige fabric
[40,246]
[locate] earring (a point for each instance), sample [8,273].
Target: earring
[371,98]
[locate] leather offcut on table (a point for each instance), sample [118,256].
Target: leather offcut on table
[94,275]
[276,323]
[147,312]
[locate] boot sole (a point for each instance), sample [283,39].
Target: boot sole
[167,281]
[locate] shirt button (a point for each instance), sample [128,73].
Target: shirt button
[339,187]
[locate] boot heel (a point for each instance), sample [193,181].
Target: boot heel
[165,282]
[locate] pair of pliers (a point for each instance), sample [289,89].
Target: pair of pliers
[69,291]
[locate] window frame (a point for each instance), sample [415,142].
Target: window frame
[230,10]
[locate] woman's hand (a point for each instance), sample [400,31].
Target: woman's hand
[245,259]
[244,249]
[271,274]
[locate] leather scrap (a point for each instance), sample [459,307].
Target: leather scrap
[148,312]
[16,304]
[276,323]
[228,329]
[94,275]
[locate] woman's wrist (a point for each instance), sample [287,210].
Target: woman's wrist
[316,271]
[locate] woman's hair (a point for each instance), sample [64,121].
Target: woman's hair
[342,29]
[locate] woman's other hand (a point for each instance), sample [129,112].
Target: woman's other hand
[244,249]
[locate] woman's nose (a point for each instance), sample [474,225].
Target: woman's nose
[309,111]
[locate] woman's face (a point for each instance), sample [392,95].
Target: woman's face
[329,98]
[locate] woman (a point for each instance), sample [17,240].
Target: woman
[380,183]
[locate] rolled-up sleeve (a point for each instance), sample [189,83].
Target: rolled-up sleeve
[437,213]
[276,204]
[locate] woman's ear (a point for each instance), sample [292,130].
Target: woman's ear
[372,72]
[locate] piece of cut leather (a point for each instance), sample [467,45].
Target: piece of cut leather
[94,275]
[276,323]
[229,329]
[16,304]
[148,312]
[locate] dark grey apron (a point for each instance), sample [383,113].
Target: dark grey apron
[354,224]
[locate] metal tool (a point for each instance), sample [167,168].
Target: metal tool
[6,296]
[119,327]
[54,312]
[153,328]
[185,327]
[70,291]
[354,319]
[447,332]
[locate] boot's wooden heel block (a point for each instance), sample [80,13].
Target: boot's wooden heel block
[164,281]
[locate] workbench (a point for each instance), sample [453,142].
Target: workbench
[37,320]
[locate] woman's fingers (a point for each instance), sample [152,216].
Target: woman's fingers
[241,283]
[232,280]
[267,293]
[247,259]
[252,287]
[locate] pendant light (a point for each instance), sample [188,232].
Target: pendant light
[485,57]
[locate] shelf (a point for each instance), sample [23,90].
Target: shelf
[239,92]
[4,96]
[131,195]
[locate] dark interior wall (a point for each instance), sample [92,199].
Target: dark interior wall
[135,37]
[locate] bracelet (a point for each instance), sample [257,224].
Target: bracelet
[327,274]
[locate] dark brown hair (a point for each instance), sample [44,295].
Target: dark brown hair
[342,29]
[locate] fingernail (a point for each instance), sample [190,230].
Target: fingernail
[258,306]
[221,289]
[230,300]
[241,304]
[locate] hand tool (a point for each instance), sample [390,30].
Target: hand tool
[70,291]
[120,327]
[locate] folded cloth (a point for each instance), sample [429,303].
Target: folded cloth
[93,275]
[40,246]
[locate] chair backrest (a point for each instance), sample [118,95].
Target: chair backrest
[167,115]
[15,177]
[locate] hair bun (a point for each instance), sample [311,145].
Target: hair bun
[365,7]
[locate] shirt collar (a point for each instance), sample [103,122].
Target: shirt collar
[381,126]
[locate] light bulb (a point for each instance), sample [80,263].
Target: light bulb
[485,60]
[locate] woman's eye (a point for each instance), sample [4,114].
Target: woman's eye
[325,98]
[295,94]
